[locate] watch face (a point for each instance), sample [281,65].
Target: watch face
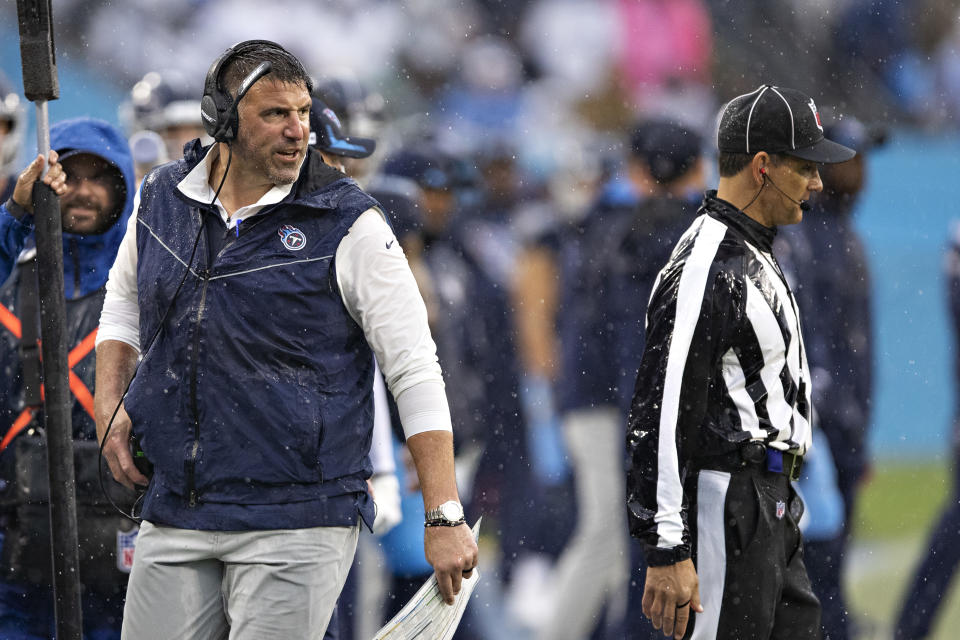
[451,511]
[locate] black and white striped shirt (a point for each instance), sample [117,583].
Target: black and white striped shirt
[724,364]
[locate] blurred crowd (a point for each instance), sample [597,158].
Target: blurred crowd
[538,160]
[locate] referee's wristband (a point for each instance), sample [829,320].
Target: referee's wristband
[445,523]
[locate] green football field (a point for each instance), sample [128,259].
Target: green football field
[896,510]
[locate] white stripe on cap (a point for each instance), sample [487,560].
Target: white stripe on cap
[726,106]
[793,144]
[750,115]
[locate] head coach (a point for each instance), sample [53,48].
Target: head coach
[257,284]
[720,418]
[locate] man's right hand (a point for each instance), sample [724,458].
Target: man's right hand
[116,451]
[116,364]
[665,590]
[55,178]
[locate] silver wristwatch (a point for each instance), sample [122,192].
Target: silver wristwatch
[449,514]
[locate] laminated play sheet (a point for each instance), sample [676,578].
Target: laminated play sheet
[427,616]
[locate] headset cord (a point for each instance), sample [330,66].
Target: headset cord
[196,241]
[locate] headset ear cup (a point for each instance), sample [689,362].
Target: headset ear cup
[231,123]
[219,118]
[209,115]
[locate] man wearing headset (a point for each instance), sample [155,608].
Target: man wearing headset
[721,413]
[257,283]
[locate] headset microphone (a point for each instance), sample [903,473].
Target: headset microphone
[803,204]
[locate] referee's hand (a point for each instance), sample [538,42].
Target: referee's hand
[669,594]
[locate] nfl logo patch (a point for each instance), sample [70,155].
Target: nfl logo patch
[126,544]
[781,509]
[816,114]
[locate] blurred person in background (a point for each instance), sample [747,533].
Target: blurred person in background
[666,57]
[327,135]
[96,199]
[149,151]
[825,261]
[470,318]
[621,244]
[361,114]
[165,103]
[500,223]
[160,115]
[13,123]
[930,585]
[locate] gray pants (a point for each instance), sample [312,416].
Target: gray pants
[594,568]
[209,585]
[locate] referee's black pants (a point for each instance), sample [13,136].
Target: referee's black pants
[749,558]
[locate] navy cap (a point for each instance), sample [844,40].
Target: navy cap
[326,134]
[777,120]
[429,171]
[669,150]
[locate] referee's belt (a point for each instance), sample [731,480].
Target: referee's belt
[755,454]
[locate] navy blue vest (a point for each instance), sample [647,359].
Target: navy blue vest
[254,403]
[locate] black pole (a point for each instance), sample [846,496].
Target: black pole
[56,415]
[40,85]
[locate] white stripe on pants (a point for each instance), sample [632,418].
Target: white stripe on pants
[208,585]
[594,567]
[711,550]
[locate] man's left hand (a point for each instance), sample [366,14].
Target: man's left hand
[453,554]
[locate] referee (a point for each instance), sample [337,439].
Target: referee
[720,418]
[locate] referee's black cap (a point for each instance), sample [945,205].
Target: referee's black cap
[777,120]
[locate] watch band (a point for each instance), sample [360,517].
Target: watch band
[445,523]
[450,513]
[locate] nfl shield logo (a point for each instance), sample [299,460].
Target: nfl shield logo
[781,509]
[816,114]
[126,544]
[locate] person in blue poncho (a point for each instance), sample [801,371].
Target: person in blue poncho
[92,172]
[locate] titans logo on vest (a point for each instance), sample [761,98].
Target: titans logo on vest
[292,238]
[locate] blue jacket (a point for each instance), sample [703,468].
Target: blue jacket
[254,403]
[607,277]
[587,377]
[86,259]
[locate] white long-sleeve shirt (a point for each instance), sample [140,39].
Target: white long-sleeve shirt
[376,286]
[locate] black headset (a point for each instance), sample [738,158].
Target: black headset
[218,109]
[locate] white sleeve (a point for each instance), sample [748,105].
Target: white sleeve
[120,317]
[381,294]
[381,449]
